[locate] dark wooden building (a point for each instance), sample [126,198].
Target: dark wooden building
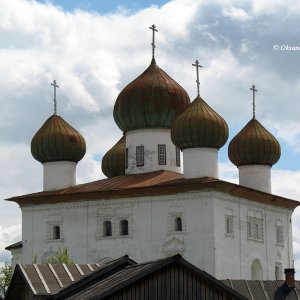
[171,278]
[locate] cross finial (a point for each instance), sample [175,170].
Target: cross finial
[253,102]
[197,65]
[54,99]
[153,28]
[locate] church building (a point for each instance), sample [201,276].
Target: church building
[162,194]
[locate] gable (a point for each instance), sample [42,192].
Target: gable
[170,278]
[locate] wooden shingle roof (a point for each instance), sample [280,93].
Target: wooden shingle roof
[47,279]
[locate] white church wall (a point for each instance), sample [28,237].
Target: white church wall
[150,139]
[151,233]
[241,249]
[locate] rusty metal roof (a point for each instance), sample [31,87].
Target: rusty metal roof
[149,184]
[199,126]
[57,140]
[254,145]
[152,100]
[113,162]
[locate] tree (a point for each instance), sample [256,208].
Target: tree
[60,257]
[5,277]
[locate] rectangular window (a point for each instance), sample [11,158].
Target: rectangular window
[279,235]
[162,154]
[255,229]
[177,157]
[229,225]
[126,158]
[140,156]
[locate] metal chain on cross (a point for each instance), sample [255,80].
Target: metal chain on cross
[197,65]
[153,28]
[253,101]
[54,99]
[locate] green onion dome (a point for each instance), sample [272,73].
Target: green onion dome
[152,100]
[254,145]
[199,126]
[56,140]
[113,162]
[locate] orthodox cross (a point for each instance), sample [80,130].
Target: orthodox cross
[153,28]
[55,102]
[197,65]
[253,102]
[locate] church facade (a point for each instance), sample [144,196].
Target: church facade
[148,207]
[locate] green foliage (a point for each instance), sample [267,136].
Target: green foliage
[34,259]
[62,256]
[5,277]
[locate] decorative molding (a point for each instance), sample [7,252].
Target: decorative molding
[115,217]
[173,246]
[54,220]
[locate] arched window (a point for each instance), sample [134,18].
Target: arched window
[56,232]
[178,224]
[256,270]
[107,231]
[124,227]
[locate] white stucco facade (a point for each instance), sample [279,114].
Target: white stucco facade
[257,177]
[214,234]
[150,139]
[200,162]
[59,175]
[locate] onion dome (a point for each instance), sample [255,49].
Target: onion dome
[254,145]
[152,100]
[113,162]
[56,140]
[199,126]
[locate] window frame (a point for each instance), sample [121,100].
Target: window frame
[56,232]
[162,154]
[229,225]
[177,157]
[126,158]
[124,231]
[107,230]
[178,224]
[255,229]
[140,159]
[279,235]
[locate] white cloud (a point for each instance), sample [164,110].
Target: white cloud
[237,14]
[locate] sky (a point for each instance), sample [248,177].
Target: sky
[95,48]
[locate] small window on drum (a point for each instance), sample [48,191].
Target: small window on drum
[56,232]
[178,224]
[107,228]
[124,227]
[126,158]
[177,156]
[162,159]
[140,156]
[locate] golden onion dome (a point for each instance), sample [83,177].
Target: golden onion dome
[254,145]
[113,162]
[199,126]
[152,100]
[57,140]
